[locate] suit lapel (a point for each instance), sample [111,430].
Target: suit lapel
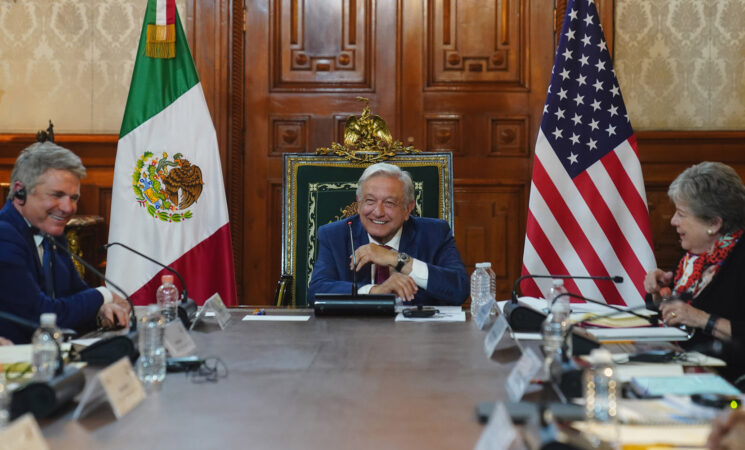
[408,235]
[360,239]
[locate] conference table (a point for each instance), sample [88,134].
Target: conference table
[328,382]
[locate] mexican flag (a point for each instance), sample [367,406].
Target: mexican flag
[168,197]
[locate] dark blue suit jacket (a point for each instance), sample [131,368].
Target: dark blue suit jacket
[22,281]
[428,240]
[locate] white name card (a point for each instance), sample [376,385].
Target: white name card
[214,305]
[116,385]
[495,335]
[499,431]
[483,314]
[23,434]
[177,340]
[526,369]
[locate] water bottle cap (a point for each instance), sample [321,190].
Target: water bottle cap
[558,282]
[166,279]
[483,265]
[48,319]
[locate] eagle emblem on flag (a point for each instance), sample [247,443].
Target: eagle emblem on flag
[166,188]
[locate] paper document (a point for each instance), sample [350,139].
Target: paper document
[275,318]
[689,384]
[638,334]
[648,435]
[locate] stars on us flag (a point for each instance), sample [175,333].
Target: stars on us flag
[584,117]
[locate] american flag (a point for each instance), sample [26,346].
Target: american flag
[588,209]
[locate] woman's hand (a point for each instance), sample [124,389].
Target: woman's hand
[676,312]
[655,280]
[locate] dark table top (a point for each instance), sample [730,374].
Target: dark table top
[325,383]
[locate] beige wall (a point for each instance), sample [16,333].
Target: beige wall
[67,60]
[681,63]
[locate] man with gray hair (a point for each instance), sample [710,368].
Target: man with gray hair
[36,277]
[412,257]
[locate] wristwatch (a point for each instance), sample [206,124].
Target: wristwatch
[403,258]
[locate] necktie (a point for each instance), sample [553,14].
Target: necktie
[382,272]
[47,267]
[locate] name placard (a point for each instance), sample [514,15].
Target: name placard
[116,385]
[495,335]
[23,434]
[526,369]
[214,304]
[499,431]
[177,340]
[483,314]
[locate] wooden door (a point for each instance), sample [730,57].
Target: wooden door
[468,76]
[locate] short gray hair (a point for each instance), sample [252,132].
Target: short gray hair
[391,171]
[37,158]
[711,190]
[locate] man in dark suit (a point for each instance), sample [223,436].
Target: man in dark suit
[35,276]
[412,257]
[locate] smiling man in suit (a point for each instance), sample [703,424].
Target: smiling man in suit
[412,257]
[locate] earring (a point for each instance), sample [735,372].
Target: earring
[709,232]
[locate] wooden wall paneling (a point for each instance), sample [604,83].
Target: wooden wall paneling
[304,67]
[489,226]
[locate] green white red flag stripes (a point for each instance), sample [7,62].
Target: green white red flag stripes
[168,198]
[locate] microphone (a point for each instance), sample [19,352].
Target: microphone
[53,240]
[354,260]
[187,309]
[109,349]
[41,398]
[330,304]
[524,318]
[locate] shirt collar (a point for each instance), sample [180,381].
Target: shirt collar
[37,237]
[393,243]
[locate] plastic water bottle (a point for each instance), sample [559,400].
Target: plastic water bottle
[557,288]
[44,349]
[151,366]
[481,286]
[600,390]
[557,345]
[167,296]
[4,399]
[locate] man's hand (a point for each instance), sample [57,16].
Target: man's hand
[109,311]
[121,301]
[374,253]
[655,280]
[4,341]
[401,285]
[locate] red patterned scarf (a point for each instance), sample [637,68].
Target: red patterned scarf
[713,260]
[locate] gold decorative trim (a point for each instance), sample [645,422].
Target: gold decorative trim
[366,139]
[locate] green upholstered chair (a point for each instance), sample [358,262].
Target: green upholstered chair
[320,188]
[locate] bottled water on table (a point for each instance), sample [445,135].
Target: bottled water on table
[557,344]
[151,366]
[45,347]
[167,296]
[600,390]
[483,286]
[557,288]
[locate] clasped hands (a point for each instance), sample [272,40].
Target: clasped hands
[118,309]
[399,283]
[675,312]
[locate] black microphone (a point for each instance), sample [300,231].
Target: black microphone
[187,308]
[524,318]
[53,240]
[354,260]
[330,304]
[41,398]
